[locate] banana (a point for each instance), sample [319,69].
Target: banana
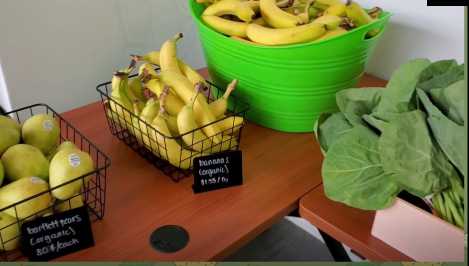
[154,58]
[268,36]
[147,71]
[168,55]
[336,10]
[304,15]
[148,114]
[172,123]
[136,89]
[244,40]
[238,8]
[359,16]
[166,146]
[193,137]
[276,17]
[332,33]
[220,106]
[184,88]
[119,95]
[375,12]
[331,22]
[329,2]
[174,104]
[260,21]
[225,26]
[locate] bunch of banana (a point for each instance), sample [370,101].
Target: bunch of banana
[274,22]
[166,110]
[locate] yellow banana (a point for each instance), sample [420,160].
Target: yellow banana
[172,123]
[300,34]
[225,26]
[329,2]
[184,88]
[220,106]
[174,104]
[148,114]
[168,54]
[154,58]
[244,40]
[238,8]
[193,137]
[331,22]
[121,113]
[167,147]
[332,33]
[336,10]
[359,16]
[136,89]
[276,17]
[260,21]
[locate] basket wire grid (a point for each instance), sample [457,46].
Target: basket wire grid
[152,145]
[93,192]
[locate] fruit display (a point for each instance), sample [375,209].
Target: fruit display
[172,111]
[408,137]
[273,22]
[32,164]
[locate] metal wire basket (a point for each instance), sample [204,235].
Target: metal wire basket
[153,145]
[93,192]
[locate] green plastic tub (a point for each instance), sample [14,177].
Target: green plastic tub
[287,87]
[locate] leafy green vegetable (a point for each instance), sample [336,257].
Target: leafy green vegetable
[374,122]
[452,100]
[354,103]
[436,69]
[450,136]
[353,174]
[330,128]
[409,154]
[398,97]
[439,77]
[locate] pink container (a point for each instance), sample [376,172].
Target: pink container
[419,234]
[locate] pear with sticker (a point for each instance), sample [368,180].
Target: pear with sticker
[41,131]
[65,166]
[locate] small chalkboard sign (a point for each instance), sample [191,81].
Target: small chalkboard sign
[57,235]
[217,171]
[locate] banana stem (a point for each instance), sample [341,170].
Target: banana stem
[198,88]
[286,3]
[178,36]
[231,87]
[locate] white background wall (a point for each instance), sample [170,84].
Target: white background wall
[56,51]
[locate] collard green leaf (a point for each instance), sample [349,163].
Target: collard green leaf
[354,103]
[400,92]
[443,79]
[450,136]
[409,154]
[329,128]
[352,172]
[452,100]
[374,122]
[437,68]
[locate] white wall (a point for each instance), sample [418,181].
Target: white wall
[417,31]
[56,51]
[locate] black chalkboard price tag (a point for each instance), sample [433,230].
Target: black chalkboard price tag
[217,171]
[57,235]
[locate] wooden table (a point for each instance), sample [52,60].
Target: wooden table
[347,225]
[279,169]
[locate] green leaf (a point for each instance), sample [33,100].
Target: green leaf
[400,92]
[452,101]
[375,122]
[441,78]
[451,137]
[437,68]
[353,174]
[355,103]
[409,154]
[330,128]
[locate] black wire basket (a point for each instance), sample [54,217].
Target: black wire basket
[93,192]
[153,145]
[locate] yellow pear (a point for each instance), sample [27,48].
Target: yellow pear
[73,203]
[41,131]
[22,189]
[9,133]
[67,165]
[9,232]
[63,146]
[24,160]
